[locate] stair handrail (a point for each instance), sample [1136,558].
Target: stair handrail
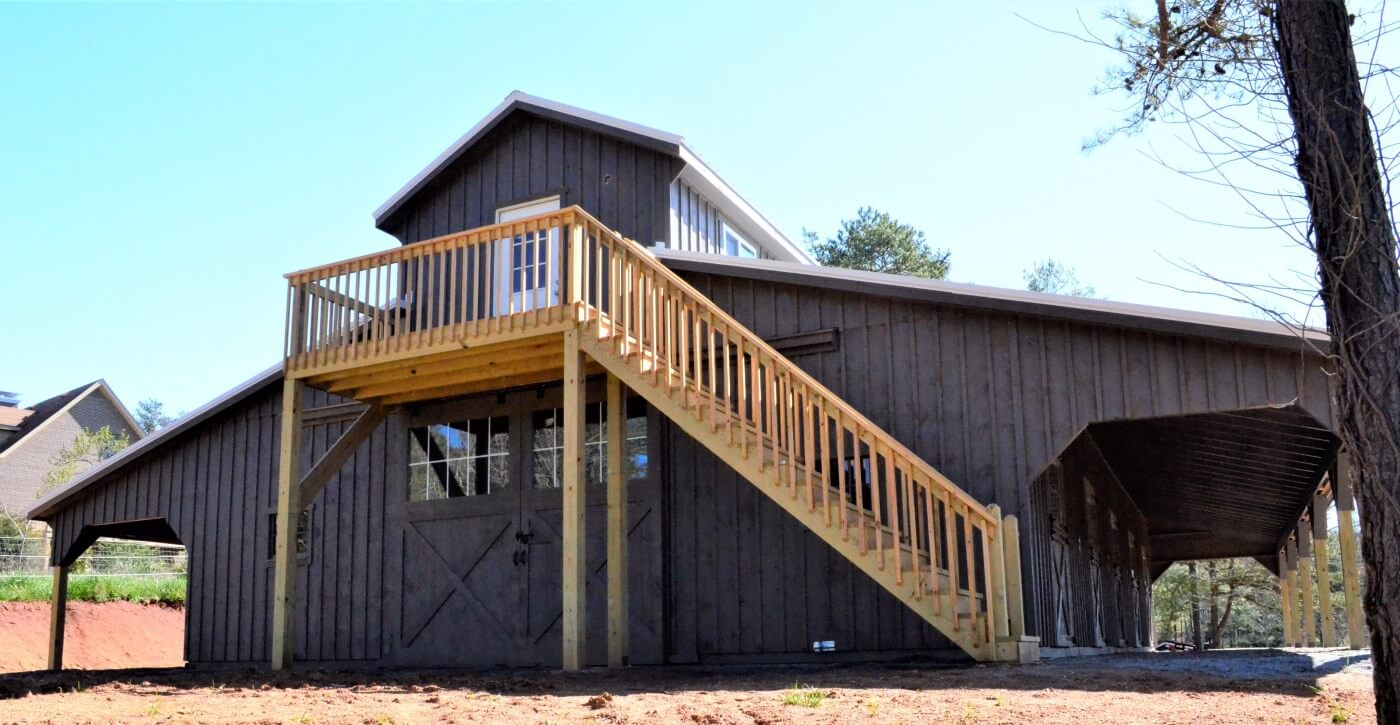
[789,368]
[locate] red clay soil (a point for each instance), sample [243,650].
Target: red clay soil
[110,635]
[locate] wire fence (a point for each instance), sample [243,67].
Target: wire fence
[28,556]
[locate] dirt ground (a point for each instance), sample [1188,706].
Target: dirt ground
[97,636]
[1239,686]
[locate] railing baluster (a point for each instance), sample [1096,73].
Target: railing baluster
[824,459]
[970,569]
[892,512]
[911,525]
[841,474]
[808,459]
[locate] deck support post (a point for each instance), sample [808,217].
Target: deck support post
[574,492]
[288,511]
[58,616]
[1305,575]
[1324,577]
[1346,535]
[617,526]
[1286,597]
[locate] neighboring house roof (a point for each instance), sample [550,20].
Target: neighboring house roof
[1076,309]
[40,415]
[49,504]
[696,171]
[11,418]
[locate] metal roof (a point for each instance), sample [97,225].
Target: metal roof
[663,141]
[1078,309]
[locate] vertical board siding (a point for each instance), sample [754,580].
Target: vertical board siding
[215,486]
[528,157]
[696,225]
[990,399]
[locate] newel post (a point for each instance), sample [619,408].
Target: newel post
[577,240]
[1011,554]
[996,596]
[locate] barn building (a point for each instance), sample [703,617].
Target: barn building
[595,409]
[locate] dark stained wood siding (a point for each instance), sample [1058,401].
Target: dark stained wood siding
[527,157]
[988,398]
[216,486]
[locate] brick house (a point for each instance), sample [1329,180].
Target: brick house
[31,437]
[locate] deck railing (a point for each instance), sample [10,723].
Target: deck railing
[429,295]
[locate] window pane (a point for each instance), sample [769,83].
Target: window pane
[418,482]
[452,460]
[417,445]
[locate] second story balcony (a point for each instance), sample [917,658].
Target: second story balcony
[477,310]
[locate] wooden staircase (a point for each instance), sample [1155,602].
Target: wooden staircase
[904,524]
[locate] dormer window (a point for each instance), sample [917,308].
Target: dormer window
[736,246]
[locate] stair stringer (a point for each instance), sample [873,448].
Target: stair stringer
[766,480]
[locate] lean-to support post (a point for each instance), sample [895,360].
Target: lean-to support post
[1295,585]
[1324,577]
[617,526]
[1286,597]
[288,511]
[574,489]
[58,616]
[1346,536]
[1309,622]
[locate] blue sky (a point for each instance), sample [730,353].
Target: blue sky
[161,166]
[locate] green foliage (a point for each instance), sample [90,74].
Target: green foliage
[1057,279]
[91,588]
[1247,601]
[89,448]
[1245,597]
[1186,50]
[151,416]
[12,526]
[876,242]
[803,696]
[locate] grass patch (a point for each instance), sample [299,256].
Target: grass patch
[83,588]
[803,696]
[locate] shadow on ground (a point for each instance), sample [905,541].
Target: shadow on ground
[1279,672]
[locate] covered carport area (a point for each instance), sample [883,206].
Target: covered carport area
[1253,482]
[148,530]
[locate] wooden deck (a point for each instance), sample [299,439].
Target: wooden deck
[561,297]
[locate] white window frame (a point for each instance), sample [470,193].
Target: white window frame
[508,298]
[743,248]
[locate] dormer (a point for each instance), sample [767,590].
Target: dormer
[531,155]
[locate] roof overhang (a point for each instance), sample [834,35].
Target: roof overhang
[1265,333]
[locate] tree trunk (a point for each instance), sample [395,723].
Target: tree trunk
[1196,638]
[1356,251]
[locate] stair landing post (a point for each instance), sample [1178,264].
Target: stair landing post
[574,489]
[288,511]
[617,525]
